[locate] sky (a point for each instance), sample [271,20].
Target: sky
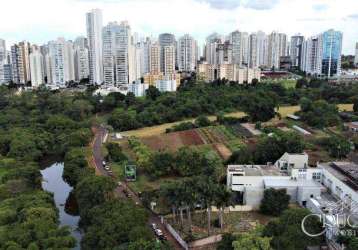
[39,21]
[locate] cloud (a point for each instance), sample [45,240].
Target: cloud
[261,4]
[353,16]
[320,7]
[233,4]
[222,4]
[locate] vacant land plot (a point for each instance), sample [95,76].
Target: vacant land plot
[160,129]
[222,150]
[173,141]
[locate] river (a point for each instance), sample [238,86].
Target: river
[53,182]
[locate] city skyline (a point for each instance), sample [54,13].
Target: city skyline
[310,18]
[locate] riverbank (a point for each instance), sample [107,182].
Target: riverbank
[53,182]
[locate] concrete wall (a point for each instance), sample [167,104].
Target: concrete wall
[304,193]
[206,241]
[176,236]
[253,197]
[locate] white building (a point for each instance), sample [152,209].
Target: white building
[106,90]
[94,35]
[300,181]
[168,60]
[20,62]
[36,66]
[166,85]
[69,61]
[109,49]
[231,72]
[187,53]
[2,60]
[296,50]
[124,54]
[312,55]
[211,46]
[81,59]
[154,58]
[56,62]
[2,50]
[138,88]
[356,56]
[277,47]
[167,42]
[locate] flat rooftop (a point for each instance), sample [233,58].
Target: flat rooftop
[346,172]
[291,183]
[256,170]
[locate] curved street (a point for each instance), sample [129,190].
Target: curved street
[100,134]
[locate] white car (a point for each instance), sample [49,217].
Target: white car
[158,232]
[153,226]
[107,168]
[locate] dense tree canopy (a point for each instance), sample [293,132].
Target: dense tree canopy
[286,231]
[275,201]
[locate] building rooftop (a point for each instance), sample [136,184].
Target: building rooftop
[256,170]
[346,172]
[277,183]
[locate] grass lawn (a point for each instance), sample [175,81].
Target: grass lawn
[144,183]
[288,83]
[160,129]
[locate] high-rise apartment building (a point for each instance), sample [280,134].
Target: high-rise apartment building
[277,47]
[253,51]
[187,53]
[20,62]
[56,61]
[124,55]
[36,66]
[331,52]
[2,60]
[154,58]
[81,58]
[165,40]
[224,53]
[109,49]
[296,50]
[146,56]
[2,50]
[322,54]
[169,60]
[69,61]
[312,56]
[94,35]
[356,55]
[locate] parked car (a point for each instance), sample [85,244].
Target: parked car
[154,226]
[107,168]
[158,232]
[119,184]
[103,163]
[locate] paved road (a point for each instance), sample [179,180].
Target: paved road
[100,134]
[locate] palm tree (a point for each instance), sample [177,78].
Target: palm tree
[190,196]
[222,200]
[206,193]
[170,192]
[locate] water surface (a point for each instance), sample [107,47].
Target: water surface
[54,183]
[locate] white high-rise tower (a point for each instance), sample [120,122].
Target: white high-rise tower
[94,35]
[187,51]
